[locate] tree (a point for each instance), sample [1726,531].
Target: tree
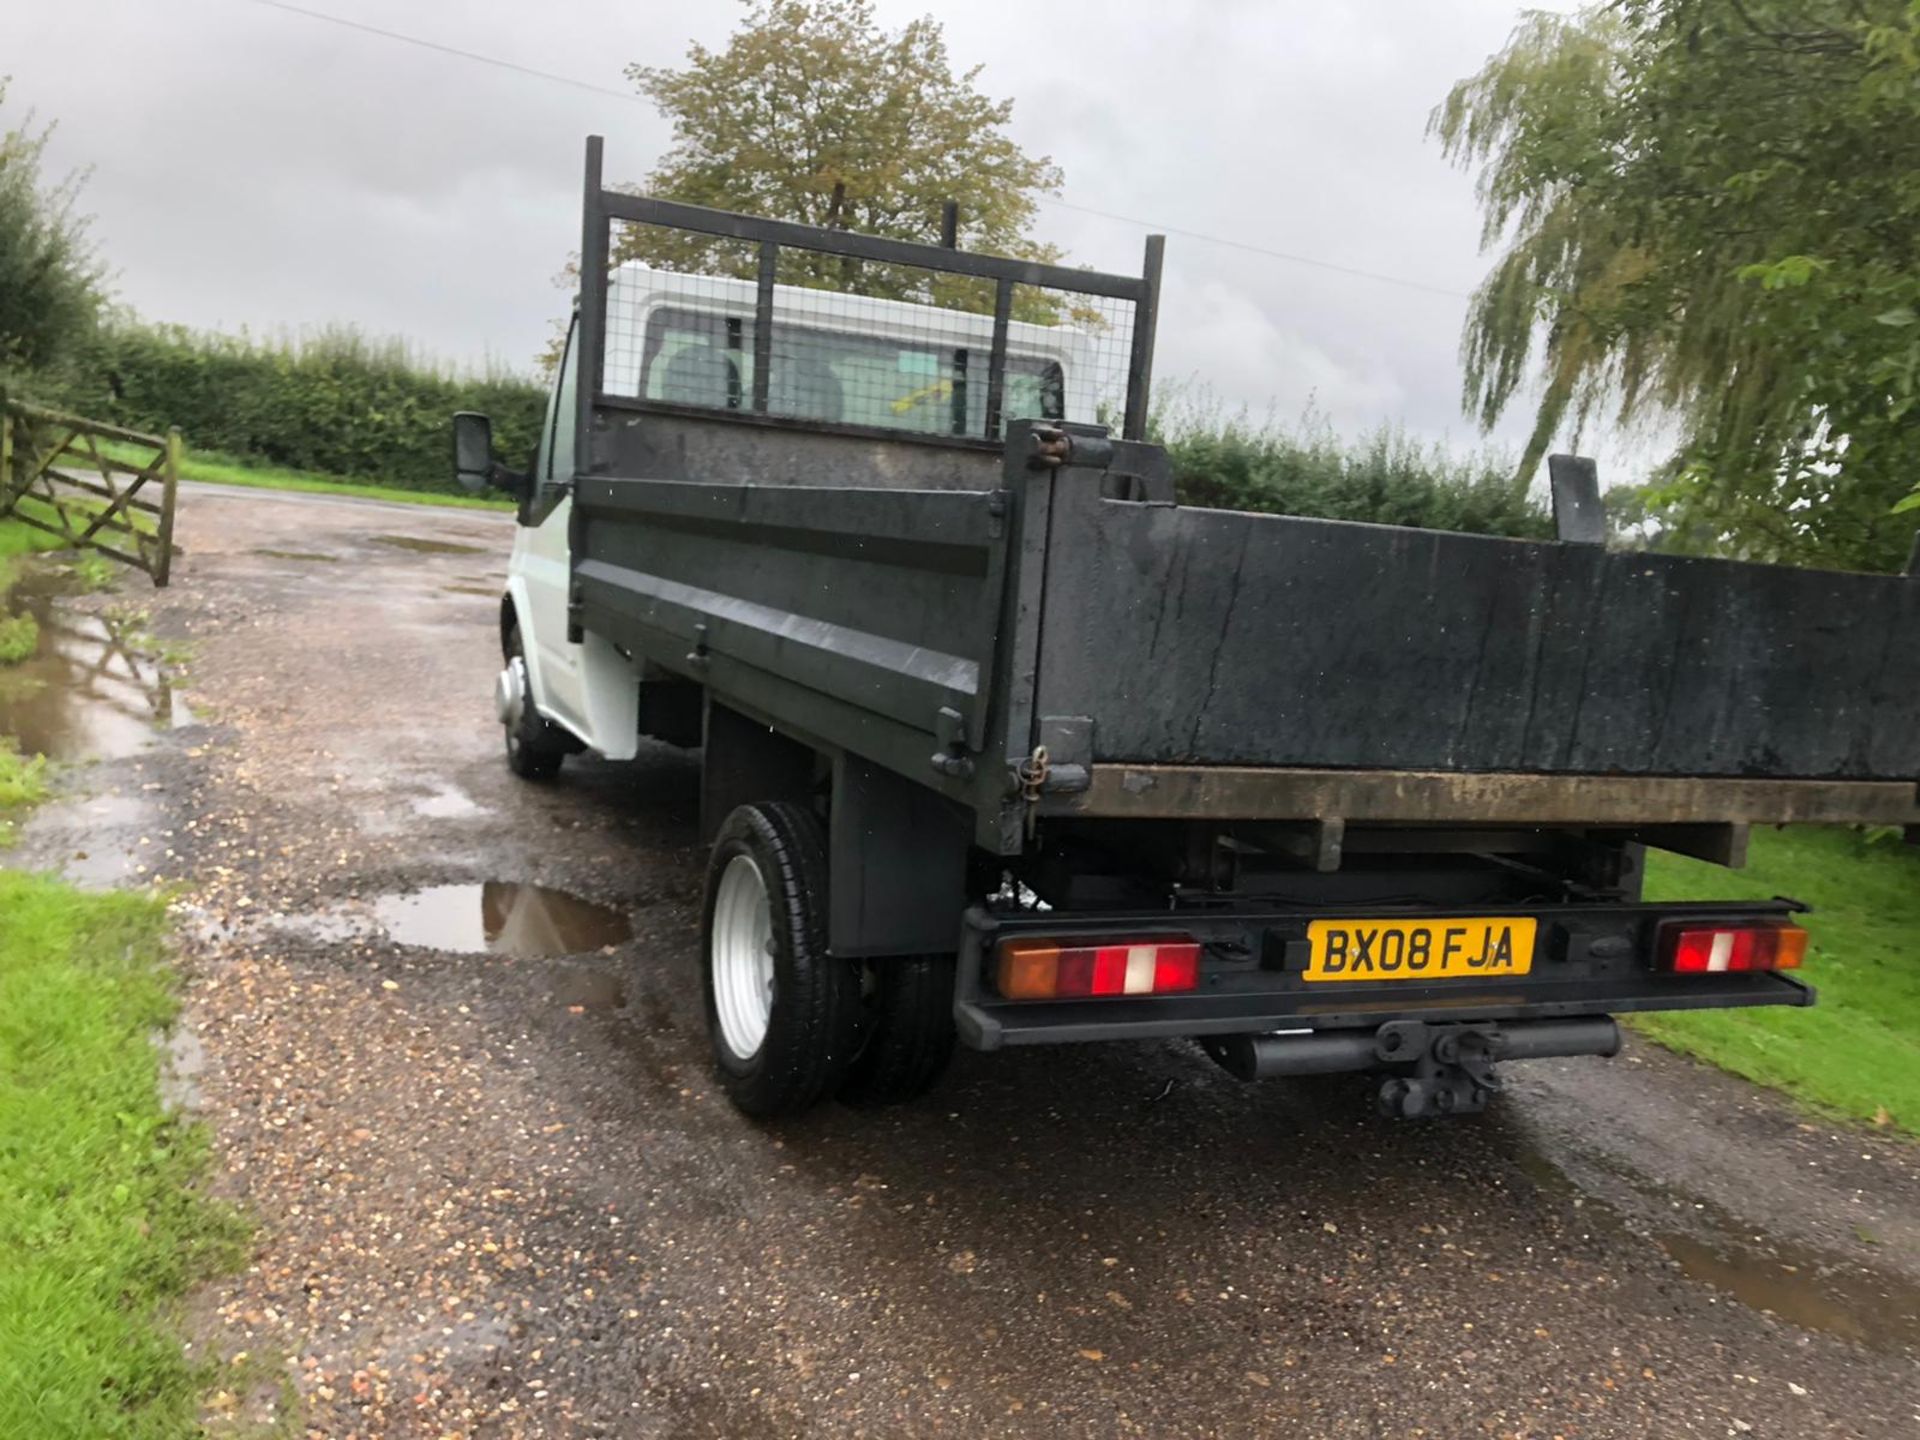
[1709,217]
[49,279]
[813,113]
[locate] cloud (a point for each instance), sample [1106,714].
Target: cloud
[1229,349]
[259,168]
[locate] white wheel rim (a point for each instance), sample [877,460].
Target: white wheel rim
[742,957]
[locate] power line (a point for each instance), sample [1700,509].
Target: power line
[454,50]
[1253,249]
[627,95]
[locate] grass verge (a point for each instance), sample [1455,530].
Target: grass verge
[19,634]
[23,783]
[228,470]
[103,1225]
[17,539]
[19,638]
[102,1221]
[1857,1053]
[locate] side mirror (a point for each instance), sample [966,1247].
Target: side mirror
[473,451]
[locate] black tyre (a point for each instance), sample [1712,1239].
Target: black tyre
[782,1014]
[535,746]
[906,1031]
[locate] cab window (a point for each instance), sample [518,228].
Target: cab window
[558,441]
[923,387]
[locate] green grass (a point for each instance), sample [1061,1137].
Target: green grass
[19,637]
[103,1226]
[228,470]
[22,783]
[1857,1053]
[95,572]
[17,539]
[19,634]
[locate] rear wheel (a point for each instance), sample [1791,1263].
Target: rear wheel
[783,1015]
[535,745]
[907,1030]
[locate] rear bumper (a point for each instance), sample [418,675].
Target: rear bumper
[1589,961]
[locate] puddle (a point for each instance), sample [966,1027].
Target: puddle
[183,1059]
[300,555]
[104,865]
[98,812]
[448,802]
[583,988]
[83,693]
[1808,1289]
[501,916]
[428,547]
[1813,1289]
[92,840]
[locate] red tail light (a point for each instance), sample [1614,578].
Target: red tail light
[1029,969]
[1697,949]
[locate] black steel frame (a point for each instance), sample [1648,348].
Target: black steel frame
[602,207]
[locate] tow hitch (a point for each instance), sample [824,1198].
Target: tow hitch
[1445,1069]
[1453,1073]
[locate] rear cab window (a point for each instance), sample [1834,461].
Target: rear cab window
[699,358]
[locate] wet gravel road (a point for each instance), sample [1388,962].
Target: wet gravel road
[498,1194]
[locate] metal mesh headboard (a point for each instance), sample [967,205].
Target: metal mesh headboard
[683,308]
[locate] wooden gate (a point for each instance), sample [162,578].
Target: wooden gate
[56,476]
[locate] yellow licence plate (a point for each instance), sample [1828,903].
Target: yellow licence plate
[1356,950]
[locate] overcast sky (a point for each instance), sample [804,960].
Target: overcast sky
[255,167]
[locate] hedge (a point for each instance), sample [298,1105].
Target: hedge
[337,402]
[1383,476]
[342,404]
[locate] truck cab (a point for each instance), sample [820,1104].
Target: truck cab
[679,340]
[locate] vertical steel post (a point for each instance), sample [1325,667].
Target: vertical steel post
[590,336]
[1146,318]
[170,487]
[593,312]
[763,325]
[957,402]
[957,399]
[997,360]
[1579,514]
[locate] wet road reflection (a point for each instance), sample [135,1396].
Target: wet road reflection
[85,693]
[503,917]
